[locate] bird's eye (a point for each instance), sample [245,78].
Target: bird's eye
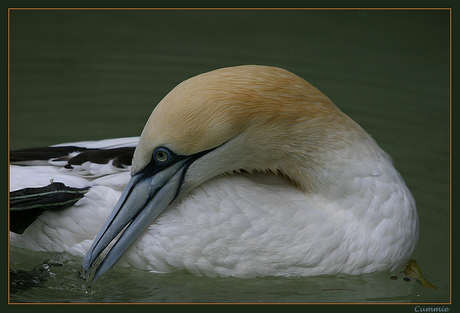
[161,155]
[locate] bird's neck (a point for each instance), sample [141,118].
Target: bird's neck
[329,168]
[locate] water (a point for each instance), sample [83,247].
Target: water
[94,74]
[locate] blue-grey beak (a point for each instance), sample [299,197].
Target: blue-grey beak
[144,198]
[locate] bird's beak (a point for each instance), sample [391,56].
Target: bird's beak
[143,199]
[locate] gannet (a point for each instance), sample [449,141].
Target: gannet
[244,171]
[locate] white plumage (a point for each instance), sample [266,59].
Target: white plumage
[72,229]
[339,206]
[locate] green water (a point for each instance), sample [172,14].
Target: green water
[94,74]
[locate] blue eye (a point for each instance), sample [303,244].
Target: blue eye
[161,155]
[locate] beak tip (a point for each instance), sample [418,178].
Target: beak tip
[85,274]
[90,273]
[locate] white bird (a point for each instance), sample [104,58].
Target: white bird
[242,171]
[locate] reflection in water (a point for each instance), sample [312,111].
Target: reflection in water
[128,285]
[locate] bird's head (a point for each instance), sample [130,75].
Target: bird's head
[253,118]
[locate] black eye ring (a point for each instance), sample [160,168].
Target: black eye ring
[162,155]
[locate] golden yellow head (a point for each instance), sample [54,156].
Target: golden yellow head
[275,110]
